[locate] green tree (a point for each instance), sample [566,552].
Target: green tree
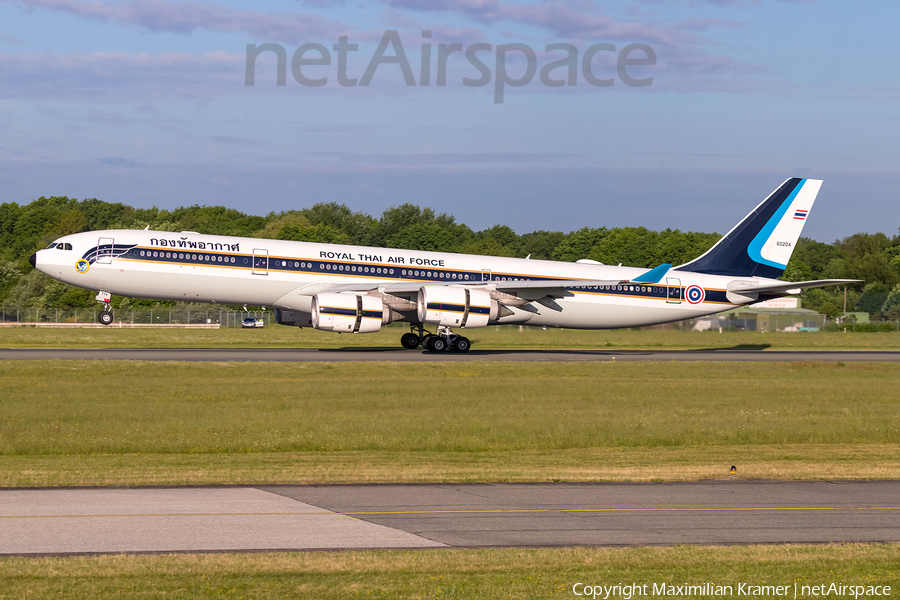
[540,244]
[323,234]
[499,240]
[891,307]
[873,297]
[357,226]
[867,259]
[821,301]
[579,244]
[413,228]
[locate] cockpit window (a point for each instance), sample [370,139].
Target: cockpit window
[60,246]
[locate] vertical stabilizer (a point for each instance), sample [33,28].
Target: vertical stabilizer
[762,243]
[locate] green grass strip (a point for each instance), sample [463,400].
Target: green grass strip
[132,422]
[456,574]
[489,338]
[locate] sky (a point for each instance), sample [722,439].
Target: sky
[551,115]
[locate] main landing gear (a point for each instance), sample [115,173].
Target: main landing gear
[444,340]
[105,317]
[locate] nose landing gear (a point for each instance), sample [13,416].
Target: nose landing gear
[106,316]
[444,340]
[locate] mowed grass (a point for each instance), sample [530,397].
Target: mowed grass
[462,574]
[489,338]
[133,423]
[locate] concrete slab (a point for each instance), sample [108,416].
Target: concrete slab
[185,519]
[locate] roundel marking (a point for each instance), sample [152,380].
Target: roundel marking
[82,266]
[695,294]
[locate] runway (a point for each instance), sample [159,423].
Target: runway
[305,518]
[401,355]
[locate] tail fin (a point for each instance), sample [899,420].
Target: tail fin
[762,243]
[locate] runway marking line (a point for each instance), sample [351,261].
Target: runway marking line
[432,512]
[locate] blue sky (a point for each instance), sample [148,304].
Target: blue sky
[144,102]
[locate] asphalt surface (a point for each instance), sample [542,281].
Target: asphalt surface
[399,354]
[62,521]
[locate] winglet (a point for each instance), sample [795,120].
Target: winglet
[653,275]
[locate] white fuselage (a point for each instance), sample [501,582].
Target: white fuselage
[283,274]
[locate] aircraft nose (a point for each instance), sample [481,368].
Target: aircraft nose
[33,260]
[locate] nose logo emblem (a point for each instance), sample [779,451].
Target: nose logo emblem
[82,266]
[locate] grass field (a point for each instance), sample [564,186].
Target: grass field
[152,423]
[462,574]
[489,338]
[131,423]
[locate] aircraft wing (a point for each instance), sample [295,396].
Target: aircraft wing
[785,287]
[547,287]
[552,287]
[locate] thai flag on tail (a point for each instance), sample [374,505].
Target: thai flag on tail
[800,215]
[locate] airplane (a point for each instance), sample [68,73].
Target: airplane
[355,289]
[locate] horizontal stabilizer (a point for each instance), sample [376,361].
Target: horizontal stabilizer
[785,287]
[653,275]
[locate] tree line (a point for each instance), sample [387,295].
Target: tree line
[874,258]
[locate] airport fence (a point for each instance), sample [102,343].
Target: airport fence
[160,317]
[784,323]
[200,316]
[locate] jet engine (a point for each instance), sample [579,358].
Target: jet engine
[348,313]
[454,306]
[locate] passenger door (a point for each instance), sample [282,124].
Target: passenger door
[673,294]
[105,250]
[260,261]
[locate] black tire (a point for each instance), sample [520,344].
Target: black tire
[410,341]
[426,342]
[461,344]
[438,344]
[105,317]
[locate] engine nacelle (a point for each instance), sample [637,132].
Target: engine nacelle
[454,306]
[348,313]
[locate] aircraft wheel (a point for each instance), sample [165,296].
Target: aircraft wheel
[410,341]
[105,317]
[461,344]
[437,344]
